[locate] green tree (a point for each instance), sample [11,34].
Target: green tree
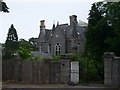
[96,34]
[25,44]
[3,7]
[25,49]
[34,43]
[102,34]
[113,16]
[88,71]
[25,54]
[11,44]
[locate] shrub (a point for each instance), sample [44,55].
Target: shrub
[24,53]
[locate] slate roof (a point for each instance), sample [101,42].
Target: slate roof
[80,31]
[48,34]
[67,32]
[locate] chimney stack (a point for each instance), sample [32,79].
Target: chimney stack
[42,23]
[42,26]
[73,19]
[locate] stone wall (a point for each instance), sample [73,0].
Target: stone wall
[111,70]
[0,66]
[36,71]
[8,69]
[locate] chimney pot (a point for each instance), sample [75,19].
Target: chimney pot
[42,23]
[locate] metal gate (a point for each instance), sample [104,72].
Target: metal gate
[74,75]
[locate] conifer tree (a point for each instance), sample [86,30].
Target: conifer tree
[3,7]
[11,44]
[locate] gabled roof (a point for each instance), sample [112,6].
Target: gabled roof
[66,30]
[80,31]
[43,38]
[63,28]
[48,34]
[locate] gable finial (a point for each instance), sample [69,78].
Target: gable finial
[53,21]
[53,24]
[57,23]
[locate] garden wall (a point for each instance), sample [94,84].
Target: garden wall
[45,71]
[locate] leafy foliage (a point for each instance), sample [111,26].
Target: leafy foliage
[25,53]
[33,42]
[56,58]
[76,56]
[25,44]
[113,16]
[37,58]
[25,49]
[95,35]
[88,70]
[102,34]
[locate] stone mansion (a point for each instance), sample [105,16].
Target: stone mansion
[62,38]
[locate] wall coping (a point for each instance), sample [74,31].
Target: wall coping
[109,55]
[116,58]
[66,56]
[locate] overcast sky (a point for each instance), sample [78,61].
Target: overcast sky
[25,15]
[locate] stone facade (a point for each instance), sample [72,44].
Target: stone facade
[62,38]
[111,70]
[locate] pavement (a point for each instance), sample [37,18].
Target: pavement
[31,86]
[37,85]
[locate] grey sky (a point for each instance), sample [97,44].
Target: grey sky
[26,15]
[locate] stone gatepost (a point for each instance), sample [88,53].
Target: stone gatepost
[111,70]
[65,69]
[69,70]
[0,67]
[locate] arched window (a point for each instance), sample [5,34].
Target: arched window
[57,49]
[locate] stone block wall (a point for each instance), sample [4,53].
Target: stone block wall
[0,66]
[111,70]
[44,72]
[8,69]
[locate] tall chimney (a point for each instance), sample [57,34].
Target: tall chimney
[42,26]
[73,19]
[42,23]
